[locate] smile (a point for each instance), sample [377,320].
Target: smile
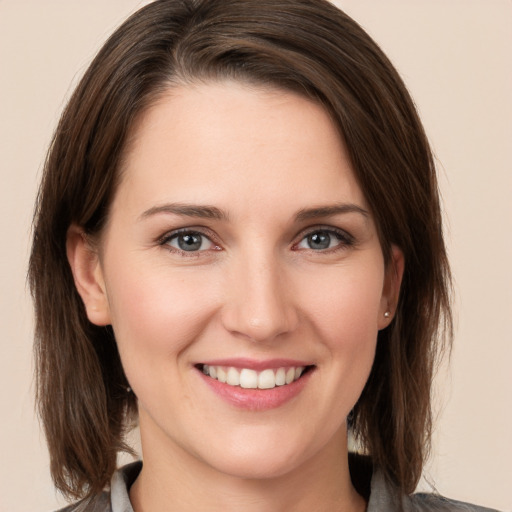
[251,379]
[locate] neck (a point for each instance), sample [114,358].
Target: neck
[175,480]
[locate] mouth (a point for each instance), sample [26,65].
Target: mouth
[248,378]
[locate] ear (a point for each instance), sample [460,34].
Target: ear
[391,289]
[88,275]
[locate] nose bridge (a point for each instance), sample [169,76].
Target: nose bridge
[259,306]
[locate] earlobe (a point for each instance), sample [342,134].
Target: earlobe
[391,289]
[88,275]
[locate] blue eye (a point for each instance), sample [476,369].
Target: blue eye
[189,241]
[323,239]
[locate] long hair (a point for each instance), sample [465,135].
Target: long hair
[305,46]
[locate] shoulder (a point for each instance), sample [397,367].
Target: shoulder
[114,500]
[383,497]
[100,503]
[422,501]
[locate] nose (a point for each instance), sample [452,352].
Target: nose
[259,301]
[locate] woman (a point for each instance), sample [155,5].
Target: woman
[238,241]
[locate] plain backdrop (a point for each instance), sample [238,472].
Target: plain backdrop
[454,55]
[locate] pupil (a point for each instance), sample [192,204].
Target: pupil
[319,240]
[189,242]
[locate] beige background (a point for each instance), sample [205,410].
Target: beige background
[455,57]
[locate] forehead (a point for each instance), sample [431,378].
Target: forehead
[236,146]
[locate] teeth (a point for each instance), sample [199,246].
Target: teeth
[221,374]
[267,379]
[251,379]
[281,377]
[248,379]
[233,377]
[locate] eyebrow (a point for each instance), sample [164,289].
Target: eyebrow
[186,210]
[329,211]
[212,212]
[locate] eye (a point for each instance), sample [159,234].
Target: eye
[189,241]
[324,239]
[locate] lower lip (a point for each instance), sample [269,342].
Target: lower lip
[256,399]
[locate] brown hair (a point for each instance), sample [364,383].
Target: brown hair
[307,46]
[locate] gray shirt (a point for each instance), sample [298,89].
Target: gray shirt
[381,496]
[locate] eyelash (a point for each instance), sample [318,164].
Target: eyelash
[165,240]
[345,240]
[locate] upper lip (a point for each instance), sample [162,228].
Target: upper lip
[254,364]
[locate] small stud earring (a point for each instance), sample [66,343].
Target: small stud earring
[387,314]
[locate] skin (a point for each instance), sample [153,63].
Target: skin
[256,289]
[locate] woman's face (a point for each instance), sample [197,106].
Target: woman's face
[240,251]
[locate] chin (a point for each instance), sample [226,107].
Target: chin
[269,455]
[257,467]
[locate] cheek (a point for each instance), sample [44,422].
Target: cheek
[346,309]
[155,316]
[344,315]
[156,312]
